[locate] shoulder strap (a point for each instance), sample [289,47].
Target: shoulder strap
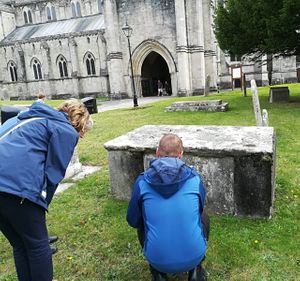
[19,125]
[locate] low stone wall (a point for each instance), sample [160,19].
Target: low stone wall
[208,105]
[236,163]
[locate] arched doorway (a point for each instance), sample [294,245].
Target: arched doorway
[155,68]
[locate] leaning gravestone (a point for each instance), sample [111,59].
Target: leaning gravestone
[256,104]
[237,164]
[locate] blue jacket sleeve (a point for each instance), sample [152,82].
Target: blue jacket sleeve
[134,212]
[60,151]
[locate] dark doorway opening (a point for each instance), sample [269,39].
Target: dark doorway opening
[155,68]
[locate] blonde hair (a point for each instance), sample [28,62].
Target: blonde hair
[170,145]
[78,115]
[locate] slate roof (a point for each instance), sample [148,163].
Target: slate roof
[62,28]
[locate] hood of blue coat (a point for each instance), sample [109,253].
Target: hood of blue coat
[167,175]
[39,109]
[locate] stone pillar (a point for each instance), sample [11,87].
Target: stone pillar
[75,65]
[22,75]
[114,54]
[184,83]
[195,22]
[48,72]
[210,45]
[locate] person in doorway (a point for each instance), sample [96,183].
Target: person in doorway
[35,149]
[167,209]
[159,88]
[167,88]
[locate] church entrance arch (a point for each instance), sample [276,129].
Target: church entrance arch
[152,62]
[155,69]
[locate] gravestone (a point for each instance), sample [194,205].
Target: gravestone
[237,164]
[256,104]
[205,105]
[279,94]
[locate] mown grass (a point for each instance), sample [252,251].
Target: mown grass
[97,244]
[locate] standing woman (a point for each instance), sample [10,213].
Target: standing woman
[35,149]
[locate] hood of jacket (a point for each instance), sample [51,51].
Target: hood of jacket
[167,175]
[39,109]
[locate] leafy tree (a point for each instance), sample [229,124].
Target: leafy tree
[258,27]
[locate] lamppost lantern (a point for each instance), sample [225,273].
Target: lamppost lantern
[127,30]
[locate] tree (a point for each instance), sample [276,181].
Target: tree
[258,27]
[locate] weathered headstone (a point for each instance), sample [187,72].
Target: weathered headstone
[256,104]
[74,166]
[279,94]
[207,85]
[204,105]
[265,118]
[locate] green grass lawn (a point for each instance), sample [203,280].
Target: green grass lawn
[97,244]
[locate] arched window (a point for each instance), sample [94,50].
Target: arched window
[13,71]
[51,14]
[48,13]
[29,16]
[37,69]
[25,17]
[100,6]
[73,10]
[90,64]
[62,66]
[76,9]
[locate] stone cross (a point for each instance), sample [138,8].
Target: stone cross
[256,105]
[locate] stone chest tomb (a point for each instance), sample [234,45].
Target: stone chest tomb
[237,164]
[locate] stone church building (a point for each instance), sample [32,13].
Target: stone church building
[76,48]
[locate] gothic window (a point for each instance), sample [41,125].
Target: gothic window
[73,10]
[76,9]
[27,16]
[62,67]
[37,69]
[100,6]
[13,71]
[90,64]
[51,14]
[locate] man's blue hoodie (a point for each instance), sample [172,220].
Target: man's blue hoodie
[167,201]
[35,156]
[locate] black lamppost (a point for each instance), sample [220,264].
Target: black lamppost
[127,30]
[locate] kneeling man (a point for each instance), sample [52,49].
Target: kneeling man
[167,209]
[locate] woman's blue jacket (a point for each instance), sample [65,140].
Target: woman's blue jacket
[35,156]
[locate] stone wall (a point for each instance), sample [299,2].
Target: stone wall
[237,164]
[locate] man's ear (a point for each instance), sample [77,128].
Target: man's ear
[157,152]
[180,155]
